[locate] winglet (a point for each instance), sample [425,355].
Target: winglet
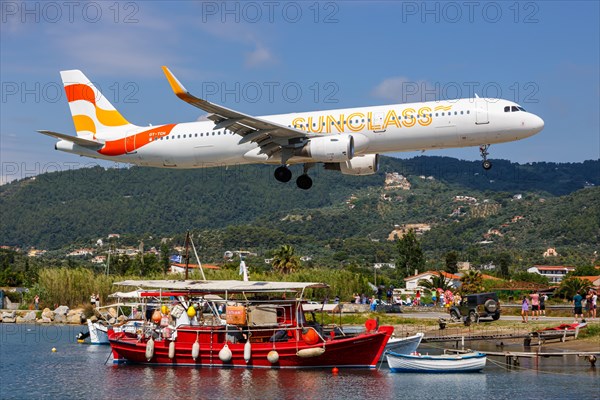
[177,87]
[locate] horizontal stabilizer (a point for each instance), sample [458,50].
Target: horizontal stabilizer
[90,144]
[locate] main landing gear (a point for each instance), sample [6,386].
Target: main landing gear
[304,182]
[486,164]
[283,174]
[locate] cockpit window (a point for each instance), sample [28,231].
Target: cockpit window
[521,108]
[507,109]
[514,108]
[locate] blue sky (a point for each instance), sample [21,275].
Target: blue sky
[264,58]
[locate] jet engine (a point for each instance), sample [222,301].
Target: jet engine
[359,165]
[334,148]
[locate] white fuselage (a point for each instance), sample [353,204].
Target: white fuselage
[378,129]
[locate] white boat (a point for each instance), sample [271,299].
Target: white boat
[98,328]
[445,363]
[405,345]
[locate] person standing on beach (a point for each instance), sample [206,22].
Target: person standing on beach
[36,302]
[93,300]
[535,305]
[594,303]
[577,306]
[525,309]
[543,299]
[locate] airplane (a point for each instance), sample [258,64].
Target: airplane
[346,140]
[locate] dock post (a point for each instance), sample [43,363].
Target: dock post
[462,342]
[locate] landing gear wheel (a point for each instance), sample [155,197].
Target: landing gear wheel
[484,153]
[304,182]
[283,174]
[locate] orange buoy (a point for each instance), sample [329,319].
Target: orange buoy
[310,336]
[156,316]
[335,370]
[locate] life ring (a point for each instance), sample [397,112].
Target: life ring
[371,325]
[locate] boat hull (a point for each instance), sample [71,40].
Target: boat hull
[470,362]
[98,333]
[362,351]
[405,345]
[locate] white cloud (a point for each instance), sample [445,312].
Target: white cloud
[259,57]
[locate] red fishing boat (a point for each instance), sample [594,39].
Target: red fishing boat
[243,324]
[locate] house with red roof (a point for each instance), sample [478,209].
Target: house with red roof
[555,274]
[412,282]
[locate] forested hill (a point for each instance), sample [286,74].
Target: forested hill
[56,209]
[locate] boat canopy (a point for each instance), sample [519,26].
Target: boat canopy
[135,294]
[223,286]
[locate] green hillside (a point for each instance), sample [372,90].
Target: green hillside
[340,218]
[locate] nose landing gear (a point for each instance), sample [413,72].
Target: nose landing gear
[486,164]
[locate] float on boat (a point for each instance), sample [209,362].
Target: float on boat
[445,363]
[242,324]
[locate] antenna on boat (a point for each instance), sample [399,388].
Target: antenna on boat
[198,259]
[187,254]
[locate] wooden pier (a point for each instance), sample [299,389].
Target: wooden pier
[512,357]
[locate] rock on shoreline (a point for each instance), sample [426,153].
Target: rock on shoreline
[62,315]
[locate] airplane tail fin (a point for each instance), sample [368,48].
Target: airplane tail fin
[92,112]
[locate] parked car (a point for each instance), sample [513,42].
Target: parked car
[475,306]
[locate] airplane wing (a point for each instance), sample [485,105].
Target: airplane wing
[270,136]
[90,144]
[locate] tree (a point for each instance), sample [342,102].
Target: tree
[472,282]
[435,282]
[410,254]
[587,270]
[451,262]
[529,277]
[570,286]
[504,260]
[285,261]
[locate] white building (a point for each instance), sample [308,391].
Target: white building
[555,274]
[412,282]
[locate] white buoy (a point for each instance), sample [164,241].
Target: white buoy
[312,352]
[172,350]
[273,356]
[247,351]
[195,350]
[149,349]
[225,354]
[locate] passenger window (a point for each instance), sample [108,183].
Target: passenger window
[462,112]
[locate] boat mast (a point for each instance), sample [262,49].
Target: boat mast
[187,253]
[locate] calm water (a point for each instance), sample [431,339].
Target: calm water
[29,369]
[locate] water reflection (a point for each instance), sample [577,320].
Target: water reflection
[78,371]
